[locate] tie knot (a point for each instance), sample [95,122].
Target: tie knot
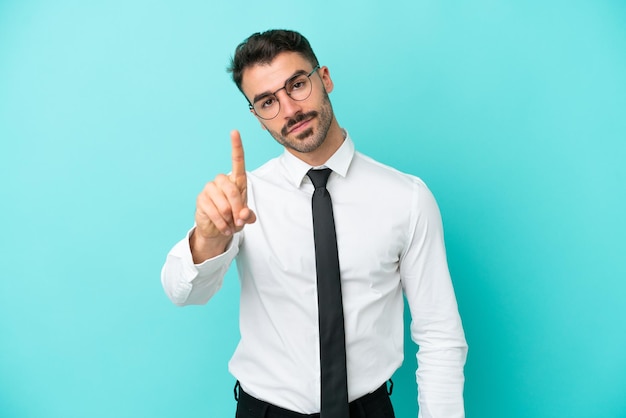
[319,177]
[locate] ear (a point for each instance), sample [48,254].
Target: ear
[326,80]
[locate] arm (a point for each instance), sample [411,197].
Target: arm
[436,325]
[196,266]
[187,283]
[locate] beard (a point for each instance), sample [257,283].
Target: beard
[308,140]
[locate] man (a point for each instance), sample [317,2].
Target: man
[389,241]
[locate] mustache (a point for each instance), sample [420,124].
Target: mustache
[300,117]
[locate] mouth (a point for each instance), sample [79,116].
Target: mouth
[299,124]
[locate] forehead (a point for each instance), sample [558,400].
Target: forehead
[270,77]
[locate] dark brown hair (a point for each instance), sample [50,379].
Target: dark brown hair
[263,47]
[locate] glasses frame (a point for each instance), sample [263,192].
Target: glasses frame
[251,106]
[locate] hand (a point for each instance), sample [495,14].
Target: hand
[222,207]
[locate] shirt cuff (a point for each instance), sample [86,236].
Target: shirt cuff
[196,283]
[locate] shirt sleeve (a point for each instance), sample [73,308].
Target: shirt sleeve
[186,283]
[435,322]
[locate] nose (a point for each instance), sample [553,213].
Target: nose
[288,106]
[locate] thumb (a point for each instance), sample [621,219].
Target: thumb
[246,216]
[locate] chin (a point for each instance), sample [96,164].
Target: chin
[304,135]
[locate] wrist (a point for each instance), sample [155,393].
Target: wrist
[203,248]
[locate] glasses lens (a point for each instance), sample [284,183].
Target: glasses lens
[299,88]
[267,107]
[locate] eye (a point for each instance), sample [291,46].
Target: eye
[268,102]
[299,83]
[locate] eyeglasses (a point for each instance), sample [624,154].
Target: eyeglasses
[298,87]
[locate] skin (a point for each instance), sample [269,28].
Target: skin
[307,129]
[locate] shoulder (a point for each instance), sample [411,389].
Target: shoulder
[384,175]
[273,174]
[268,168]
[407,192]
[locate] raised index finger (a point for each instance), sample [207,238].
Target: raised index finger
[239,166]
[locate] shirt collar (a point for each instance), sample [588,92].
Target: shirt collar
[339,162]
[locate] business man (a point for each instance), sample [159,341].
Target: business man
[326,242]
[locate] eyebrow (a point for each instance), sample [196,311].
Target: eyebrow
[269,93]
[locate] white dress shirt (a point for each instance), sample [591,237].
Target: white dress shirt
[390,240]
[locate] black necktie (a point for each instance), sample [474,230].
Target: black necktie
[330,307]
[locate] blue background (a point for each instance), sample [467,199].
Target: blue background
[114,114]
